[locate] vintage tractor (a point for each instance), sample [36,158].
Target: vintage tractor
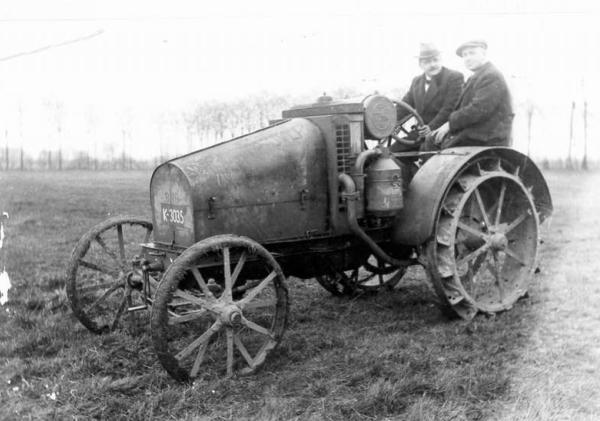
[316,194]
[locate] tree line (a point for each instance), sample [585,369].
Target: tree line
[195,126]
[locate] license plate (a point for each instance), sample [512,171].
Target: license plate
[173,214]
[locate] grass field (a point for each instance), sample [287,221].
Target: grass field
[390,356]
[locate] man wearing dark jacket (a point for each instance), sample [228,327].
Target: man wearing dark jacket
[433,94]
[483,116]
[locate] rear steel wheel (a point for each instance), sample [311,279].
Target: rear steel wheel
[485,246]
[374,275]
[100,277]
[222,303]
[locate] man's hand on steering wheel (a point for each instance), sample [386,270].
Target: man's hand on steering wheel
[424,130]
[421,127]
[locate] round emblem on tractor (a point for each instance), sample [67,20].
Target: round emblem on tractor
[380,116]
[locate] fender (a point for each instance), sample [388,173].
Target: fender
[414,224]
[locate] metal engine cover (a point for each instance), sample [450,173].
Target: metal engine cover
[269,185]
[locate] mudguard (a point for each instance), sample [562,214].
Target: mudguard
[415,223]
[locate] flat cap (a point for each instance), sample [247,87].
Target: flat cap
[471,44]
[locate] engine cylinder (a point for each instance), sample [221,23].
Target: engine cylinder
[383,187]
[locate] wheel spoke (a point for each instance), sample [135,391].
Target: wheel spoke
[258,305]
[381,266]
[500,203]
[111,253]
[512,254]
[120,311]
[246,286]
[473,255]
[192,299]
[104,296]
[99,268]
[516,222]
[121,243]
[250,324]
[229,334]
[495,269]
[404,120]
[227,271]
[475,272]
[199,359]
[92,288]
[238,268]
[202,284]
[199,341]
[471,230]
[482,208]
[187,317]
[254,292]
[243,351]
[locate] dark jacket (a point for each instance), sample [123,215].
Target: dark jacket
[435,105]
[484,113]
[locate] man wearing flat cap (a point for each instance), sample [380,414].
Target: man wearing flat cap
[433,94]
[483,116]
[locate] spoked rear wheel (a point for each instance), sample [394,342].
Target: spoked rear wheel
[374,275]
[219,310]
[485,246]
[101,281]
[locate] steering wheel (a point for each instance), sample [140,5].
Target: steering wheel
[400,125]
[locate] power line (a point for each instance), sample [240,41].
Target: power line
[50,46]
[255,14]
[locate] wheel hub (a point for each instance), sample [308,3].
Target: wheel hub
[231,315]
[134,280]
[498,241]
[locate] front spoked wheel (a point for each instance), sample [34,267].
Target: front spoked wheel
[101,281]
[219,310]
[485,248]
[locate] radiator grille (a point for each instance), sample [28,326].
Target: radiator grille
[343,146]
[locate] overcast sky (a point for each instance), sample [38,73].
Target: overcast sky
[151,56]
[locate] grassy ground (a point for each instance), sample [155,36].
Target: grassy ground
[391,356]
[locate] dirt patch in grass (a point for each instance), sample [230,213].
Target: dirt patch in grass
[386,356]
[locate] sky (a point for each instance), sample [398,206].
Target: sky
[143,58]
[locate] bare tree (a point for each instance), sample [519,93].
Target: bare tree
[189,119]
[59,116]
[126,130]
[91,121]
[56,111]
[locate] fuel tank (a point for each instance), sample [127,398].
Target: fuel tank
[269,185]
[383,187]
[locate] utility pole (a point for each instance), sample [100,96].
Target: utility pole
[21,140]
[584,163]
[569,156]
[530,109]
[6,157]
